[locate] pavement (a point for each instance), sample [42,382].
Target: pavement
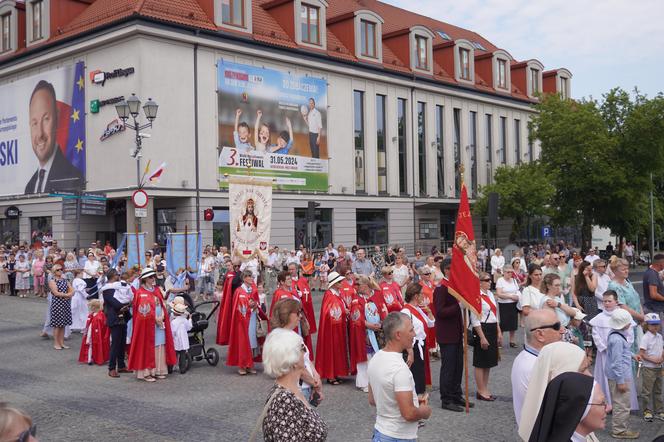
[74,402]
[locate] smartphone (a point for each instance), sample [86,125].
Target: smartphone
[315,399]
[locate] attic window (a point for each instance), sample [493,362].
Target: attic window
[232,12]
[309,16]
[421,51]
[534,81]
[564,83]
[5,30]
[502,73]
[443,35]
[368,38]
[478,45]
[37,8]
[464,63]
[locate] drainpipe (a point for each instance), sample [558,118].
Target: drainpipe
[198,188]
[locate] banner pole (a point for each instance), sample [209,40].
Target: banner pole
[186,249]
[465,355]
[138,248]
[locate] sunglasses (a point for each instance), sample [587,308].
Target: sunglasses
[32,431]
[486,280]
[389,273]
[555,326]
[426,274]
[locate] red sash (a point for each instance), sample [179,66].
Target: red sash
[486,299]
[415,312]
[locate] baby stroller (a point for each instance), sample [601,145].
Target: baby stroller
[197,350]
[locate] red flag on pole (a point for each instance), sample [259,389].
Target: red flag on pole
[464,283]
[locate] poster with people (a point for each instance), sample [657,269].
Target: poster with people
[272,124]
[42,132]
[250,201]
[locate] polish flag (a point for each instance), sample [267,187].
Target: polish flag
[156,175]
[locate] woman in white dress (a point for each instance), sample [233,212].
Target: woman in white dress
[401,273]
[79,302]
[497,264]
[531,295]
[507,291]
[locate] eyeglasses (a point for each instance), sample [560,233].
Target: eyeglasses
[389,273]
[426,274]
[32,431]
[486,280]
[555,326]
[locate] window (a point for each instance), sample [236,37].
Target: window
[488,139]
[165,222]
[368,38]
[421,59]
[381,144]
[478,45]
[402,143]
[221,227]
[502,73]
[371,227]
[443,35]
[440,152]
[37,19]
[517,141]
[429,230]
[232,12]
[457,152]
[464,63]
[531,154]
[534,81]
[323,228]
[9,231]
[358,108]
[421,147]
[563,87]
[310,24]
[5,29]
[472,136]
[41,226]
[503,140]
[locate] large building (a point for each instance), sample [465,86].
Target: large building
[365,108]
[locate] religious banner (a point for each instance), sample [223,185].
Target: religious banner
[464,283]
[183,251]
[250,201]
[135,244]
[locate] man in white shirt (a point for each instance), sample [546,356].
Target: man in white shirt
[314,121]
[391,384]
[541,330]
[292,258]
[591,257]
[599,273]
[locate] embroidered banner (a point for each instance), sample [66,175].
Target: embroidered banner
[250,201]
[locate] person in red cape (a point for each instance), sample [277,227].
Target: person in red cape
[332,344]
[285,290]
[226,308]
[301,286]
[152,348]
[364,322]
[96,343]
[426,281]
[391,291]
[418,355]
[348,292]
[243,344]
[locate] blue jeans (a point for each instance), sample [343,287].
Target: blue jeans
[380,437]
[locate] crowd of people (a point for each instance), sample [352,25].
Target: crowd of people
[384,317]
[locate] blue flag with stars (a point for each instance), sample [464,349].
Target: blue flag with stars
[76,138]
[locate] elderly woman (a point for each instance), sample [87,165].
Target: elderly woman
[628,298]
[401,273]
[287,415]
[497,264]
[418,355]
[16,425]
[38,273]
[332,343]
[70,266]
[364,329]
[485,354]
[91,269]
[60,306]
[391,290]
[507,291]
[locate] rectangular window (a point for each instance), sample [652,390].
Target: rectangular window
[368,37]
[381,147]
[402,141]
[232,12]
[310,24]
[457,152]
[531,153]
[221,227]
[472,136]
[429,230]
[358,114]
[464,63]
[5,28]
[440,152]
[502,74]
[371,227]
[41,226]
[421,147]
[165,222]
[323,234]
[563,88]
[421,58]
[534,81]
[9,231]
[37,20]
[517,140]
[488,139]
[503,140]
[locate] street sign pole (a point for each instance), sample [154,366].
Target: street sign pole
[78,222]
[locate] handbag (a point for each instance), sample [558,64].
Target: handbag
[261,328]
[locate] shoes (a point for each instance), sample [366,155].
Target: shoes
[627,434]
[365,389]
[489,398]
[512,345]
[452,407]
[113,374]
[124,370]
[659,416]
[647,416]
[462,403]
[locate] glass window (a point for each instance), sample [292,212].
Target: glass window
[9,231]
[402,140]
[358,108]
[310,24]
[534,81]
[502,73]
[421,58]
[440,152]
[464,60]
[531,153]
[421,147]
[40,226]
[488,139]
[517,140]
[165,222]
[381,143]
[5,29]
[503,140]
[563,87]
[232,12]
[429,230]
[323,228]
[472,136]
[457,152]
[371,227]
[368,37]
[37,19]
[443,35]
[221,227]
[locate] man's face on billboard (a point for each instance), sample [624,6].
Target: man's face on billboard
[43,121]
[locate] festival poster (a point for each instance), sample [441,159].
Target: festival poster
[183,251]
[42,132]
[272,125]
[250,202]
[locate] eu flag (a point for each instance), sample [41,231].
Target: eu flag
[76,146]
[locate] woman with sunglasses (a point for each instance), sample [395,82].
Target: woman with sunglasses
[485,354]
[286,290]
[391,290]
[60,307]
[16,425]
[507,291]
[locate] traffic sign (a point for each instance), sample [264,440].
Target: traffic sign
[140,212]
[139,198]
[546,232]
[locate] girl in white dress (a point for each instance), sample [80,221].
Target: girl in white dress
[79,302]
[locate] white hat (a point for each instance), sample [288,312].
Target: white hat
[180,309]
[652,318]
[619,319]
[176,300]
[579,315]
[147,272]
[334,278]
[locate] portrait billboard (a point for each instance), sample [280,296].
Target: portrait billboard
[273,125]
[42,132]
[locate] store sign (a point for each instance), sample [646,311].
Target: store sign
[114,127]
[100,77]
[95,105]
[12,212]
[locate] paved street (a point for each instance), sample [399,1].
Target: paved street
[72,402]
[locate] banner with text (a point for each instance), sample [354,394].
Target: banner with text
[250,202]
[273,125]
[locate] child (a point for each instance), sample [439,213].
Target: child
[241,134]
[574,331]
[261,133]
[317,264]
[180,325]
[95,347]
[324,269]
[650,350]
[619,373]
[79,306]
[219,290]
[284,140]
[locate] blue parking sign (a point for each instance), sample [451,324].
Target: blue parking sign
[546,232]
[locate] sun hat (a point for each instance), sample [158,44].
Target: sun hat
[334,278]
[619,319]
[180,309]
[148,272]
[653,318]
[175,301]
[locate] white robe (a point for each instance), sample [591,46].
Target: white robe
[179,328]
[79,305]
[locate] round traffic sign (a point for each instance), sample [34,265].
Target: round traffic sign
[139,198]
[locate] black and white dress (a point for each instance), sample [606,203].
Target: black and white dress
[60,307]
[288,419]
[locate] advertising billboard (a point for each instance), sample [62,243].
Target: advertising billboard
[42,132]
[272,124]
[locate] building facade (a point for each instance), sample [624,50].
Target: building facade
[408,100]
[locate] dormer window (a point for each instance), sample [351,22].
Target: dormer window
[534,81]
[367,42]
[6,30]
[368,38]
[464,62]
[502,74]
[232,12]
[421,53]
[420,40]
[37,20]
[310,24]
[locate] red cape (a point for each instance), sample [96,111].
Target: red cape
[347,293]
[141,354]
[357,331]
[377,298]
[428,301]
[239,349]
[392,296]
[99,340]
[225,310]
[304,290]
[281,294]
[425,350]
[332,347]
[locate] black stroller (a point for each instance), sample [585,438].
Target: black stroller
[197,350]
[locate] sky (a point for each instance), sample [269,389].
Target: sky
[604,43]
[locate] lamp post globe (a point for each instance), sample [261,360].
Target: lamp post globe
[134,105]
[122,108]
[150,109]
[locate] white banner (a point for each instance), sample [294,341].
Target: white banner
[250,201]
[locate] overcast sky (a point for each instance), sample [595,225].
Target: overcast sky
[604,43]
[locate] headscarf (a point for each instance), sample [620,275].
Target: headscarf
[553,359]
[564,404]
